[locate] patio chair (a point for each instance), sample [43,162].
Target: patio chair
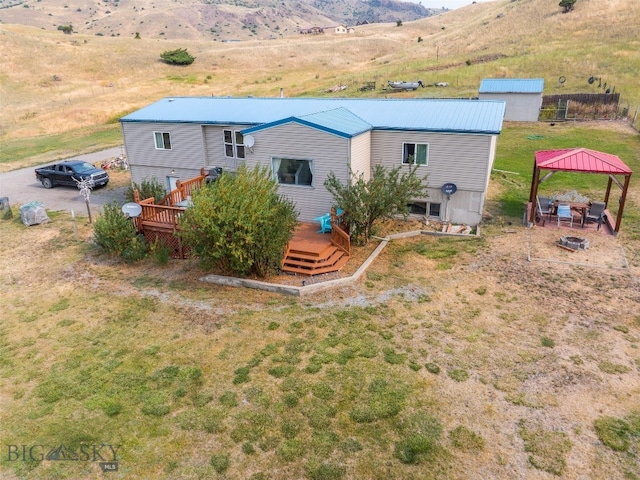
[325,223]
[544,206]
[596,213]
[564,213]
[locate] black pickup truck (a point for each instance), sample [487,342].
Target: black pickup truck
[66,173]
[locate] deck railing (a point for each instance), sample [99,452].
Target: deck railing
[183,190]
[339,237]
[165,215]
[160,216]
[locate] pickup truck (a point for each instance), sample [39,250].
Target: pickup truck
[66,173]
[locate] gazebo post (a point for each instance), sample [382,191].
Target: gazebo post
[606,196]
[623,199]
[534,192]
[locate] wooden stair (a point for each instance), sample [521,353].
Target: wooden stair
[330,259]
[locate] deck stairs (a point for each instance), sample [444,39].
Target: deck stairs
[331,259]
[311,252]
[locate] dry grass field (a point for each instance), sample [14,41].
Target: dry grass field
[450,359]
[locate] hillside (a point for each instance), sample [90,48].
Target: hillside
[80,81]
[221,20]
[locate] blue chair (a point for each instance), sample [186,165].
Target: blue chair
[325,223]
[564,213]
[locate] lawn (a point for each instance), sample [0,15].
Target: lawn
[451,359]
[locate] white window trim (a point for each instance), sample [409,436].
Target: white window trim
[162,134]
[275,171]
[415,147]
[233,143]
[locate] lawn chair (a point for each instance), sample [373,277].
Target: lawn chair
[544,206]
[325,223]
[596,213]
[564,213]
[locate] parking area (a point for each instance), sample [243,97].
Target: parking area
[21,187]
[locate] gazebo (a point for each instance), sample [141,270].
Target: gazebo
[585,161]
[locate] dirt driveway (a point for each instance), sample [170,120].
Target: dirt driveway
[21,187]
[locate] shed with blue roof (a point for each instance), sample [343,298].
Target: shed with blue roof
[302,140]
[523,96]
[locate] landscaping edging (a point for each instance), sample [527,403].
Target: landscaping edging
[299,291]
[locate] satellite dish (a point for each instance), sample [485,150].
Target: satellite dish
[562,79]
[131,209]
[249,141]
[591,80]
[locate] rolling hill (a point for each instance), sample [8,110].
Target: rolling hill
[81,81]
[221,20]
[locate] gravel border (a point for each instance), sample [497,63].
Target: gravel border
[300,291]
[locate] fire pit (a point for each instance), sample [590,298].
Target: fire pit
[575,243]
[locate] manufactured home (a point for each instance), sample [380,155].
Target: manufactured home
[302,140]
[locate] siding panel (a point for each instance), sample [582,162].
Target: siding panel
[186,154]
[328,153]
[214,147]
[460,159]
[361,155]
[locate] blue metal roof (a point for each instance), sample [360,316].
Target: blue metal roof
[338,121]
[512,85]
[429,115]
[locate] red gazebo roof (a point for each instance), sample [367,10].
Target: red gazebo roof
[581,160]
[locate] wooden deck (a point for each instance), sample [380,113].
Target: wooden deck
[308,252]
[313,253]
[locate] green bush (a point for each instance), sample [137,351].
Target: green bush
[386,194]
[240,224]
[180,56]
[146,189]
[116,235]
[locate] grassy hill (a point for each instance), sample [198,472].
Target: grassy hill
[210,20]
[83,81]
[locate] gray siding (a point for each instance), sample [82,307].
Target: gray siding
[186,156]
[520,107]
[459,159]
[465,160]
[214,147]
[328,153]
[361,155]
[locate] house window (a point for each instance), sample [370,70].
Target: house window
[289,171]
[233,144]
[163,140]
[418,208]
[415,153]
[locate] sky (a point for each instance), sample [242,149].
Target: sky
[445,3]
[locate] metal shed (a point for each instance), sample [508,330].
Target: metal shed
[523,96]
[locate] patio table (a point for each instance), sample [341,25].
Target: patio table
[580,207]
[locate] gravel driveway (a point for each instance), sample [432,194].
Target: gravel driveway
[21,187]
